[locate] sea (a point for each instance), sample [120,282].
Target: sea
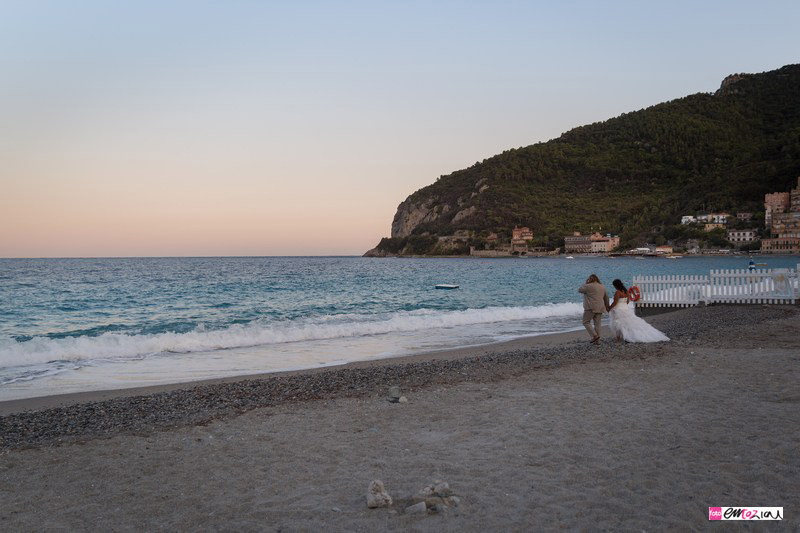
[73,325]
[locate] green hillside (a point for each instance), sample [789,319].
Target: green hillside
[631,175]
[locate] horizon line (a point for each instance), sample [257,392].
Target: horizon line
[171,256]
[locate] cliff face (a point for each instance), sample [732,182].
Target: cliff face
[418,210]
[728,85]
[410,214]
[630,175]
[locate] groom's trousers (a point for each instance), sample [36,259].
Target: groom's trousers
[590,316]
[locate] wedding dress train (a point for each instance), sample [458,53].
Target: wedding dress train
[625,324]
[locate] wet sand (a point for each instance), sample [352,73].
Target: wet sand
[526,343]
[561,435]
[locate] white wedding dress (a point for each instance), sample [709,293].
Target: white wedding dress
[625,324]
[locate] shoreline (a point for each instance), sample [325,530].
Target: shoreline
[57,420]
[61,400]
[535,341]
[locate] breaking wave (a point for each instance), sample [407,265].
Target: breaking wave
[121,346]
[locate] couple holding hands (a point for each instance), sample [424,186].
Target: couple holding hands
[625,325]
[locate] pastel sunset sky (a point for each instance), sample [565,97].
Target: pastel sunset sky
[174,128]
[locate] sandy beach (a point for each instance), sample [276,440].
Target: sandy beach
[544,433]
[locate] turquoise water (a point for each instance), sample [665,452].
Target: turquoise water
[81,324]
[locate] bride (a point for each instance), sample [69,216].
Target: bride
[625,324]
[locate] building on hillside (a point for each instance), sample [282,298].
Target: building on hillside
[521,234]
[786,224]
[744,216]
[782,216]
[578,244]
[708,226]
[741,236]
[492,237]
[718,218]
[776,202]
[520,237]
[688,219]
[795,197]
[664,249]
[702,217]
[781,245]
[601,246]
[604,243]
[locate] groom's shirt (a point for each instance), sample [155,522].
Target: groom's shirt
[595,297]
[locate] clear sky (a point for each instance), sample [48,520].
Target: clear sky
[295,128]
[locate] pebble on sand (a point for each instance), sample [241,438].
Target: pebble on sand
[417,508]
[439,488]
[394,394]
[377,495]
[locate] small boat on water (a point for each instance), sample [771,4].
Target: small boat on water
[569,257]
[446,286]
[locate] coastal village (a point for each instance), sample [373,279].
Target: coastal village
[782,220]
[780,235]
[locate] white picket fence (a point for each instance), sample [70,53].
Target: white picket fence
[754,287]
[670,291]
[780,286]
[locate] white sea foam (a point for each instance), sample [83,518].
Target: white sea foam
[122,346]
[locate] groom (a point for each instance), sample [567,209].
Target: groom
[595,302]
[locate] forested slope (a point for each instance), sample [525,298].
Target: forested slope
[630,175]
